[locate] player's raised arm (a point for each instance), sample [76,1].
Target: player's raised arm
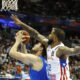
[32,31]
[23,48]
[25,58]
[66,51]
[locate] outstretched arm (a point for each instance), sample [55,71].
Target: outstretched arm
[34,33]
[66,51]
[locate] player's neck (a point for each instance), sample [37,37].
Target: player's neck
[55,44]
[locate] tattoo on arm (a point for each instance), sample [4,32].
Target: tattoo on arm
[69,51]
[35,34]
[32,31]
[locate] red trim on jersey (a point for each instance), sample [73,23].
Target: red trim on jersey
[66,77]
[61,73]
[66,74]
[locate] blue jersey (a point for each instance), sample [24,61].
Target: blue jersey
[39,75]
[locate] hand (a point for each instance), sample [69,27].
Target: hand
[16,20]
[22,44]
[19,37]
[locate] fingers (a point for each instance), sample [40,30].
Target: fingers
[13,16]
[21,36]
[17,34]
[23,40]
[21,33]
[26,36]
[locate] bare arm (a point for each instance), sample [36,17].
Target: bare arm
[34,33]
[25,58]
[23,48]
[66,51]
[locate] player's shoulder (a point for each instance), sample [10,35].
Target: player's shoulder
[61,50]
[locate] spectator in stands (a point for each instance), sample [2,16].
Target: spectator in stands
[8,74]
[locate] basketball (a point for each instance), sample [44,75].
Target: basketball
[27,39]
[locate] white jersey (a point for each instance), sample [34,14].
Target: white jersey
[58,68]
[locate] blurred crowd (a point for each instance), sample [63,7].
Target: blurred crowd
[74,60]
[11,68]
[68,8]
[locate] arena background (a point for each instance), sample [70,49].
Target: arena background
[42,15]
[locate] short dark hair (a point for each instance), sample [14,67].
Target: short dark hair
[59,33]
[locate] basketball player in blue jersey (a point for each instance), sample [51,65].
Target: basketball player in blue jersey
[57,52]
[37,64]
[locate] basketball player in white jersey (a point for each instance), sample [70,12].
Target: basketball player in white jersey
[57,52]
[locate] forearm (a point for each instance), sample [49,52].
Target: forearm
[76,50]
[25,58]
[35,34]
[14,49]
[32,31]
[19,55]
[23,48]
[69,51]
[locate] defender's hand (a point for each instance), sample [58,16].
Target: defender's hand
[16,19]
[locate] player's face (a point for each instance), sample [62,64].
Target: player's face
[52,37]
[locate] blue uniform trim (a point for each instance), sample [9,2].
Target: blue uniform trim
[63,63]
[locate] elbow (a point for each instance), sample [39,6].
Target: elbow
[11,53]
[73,52]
